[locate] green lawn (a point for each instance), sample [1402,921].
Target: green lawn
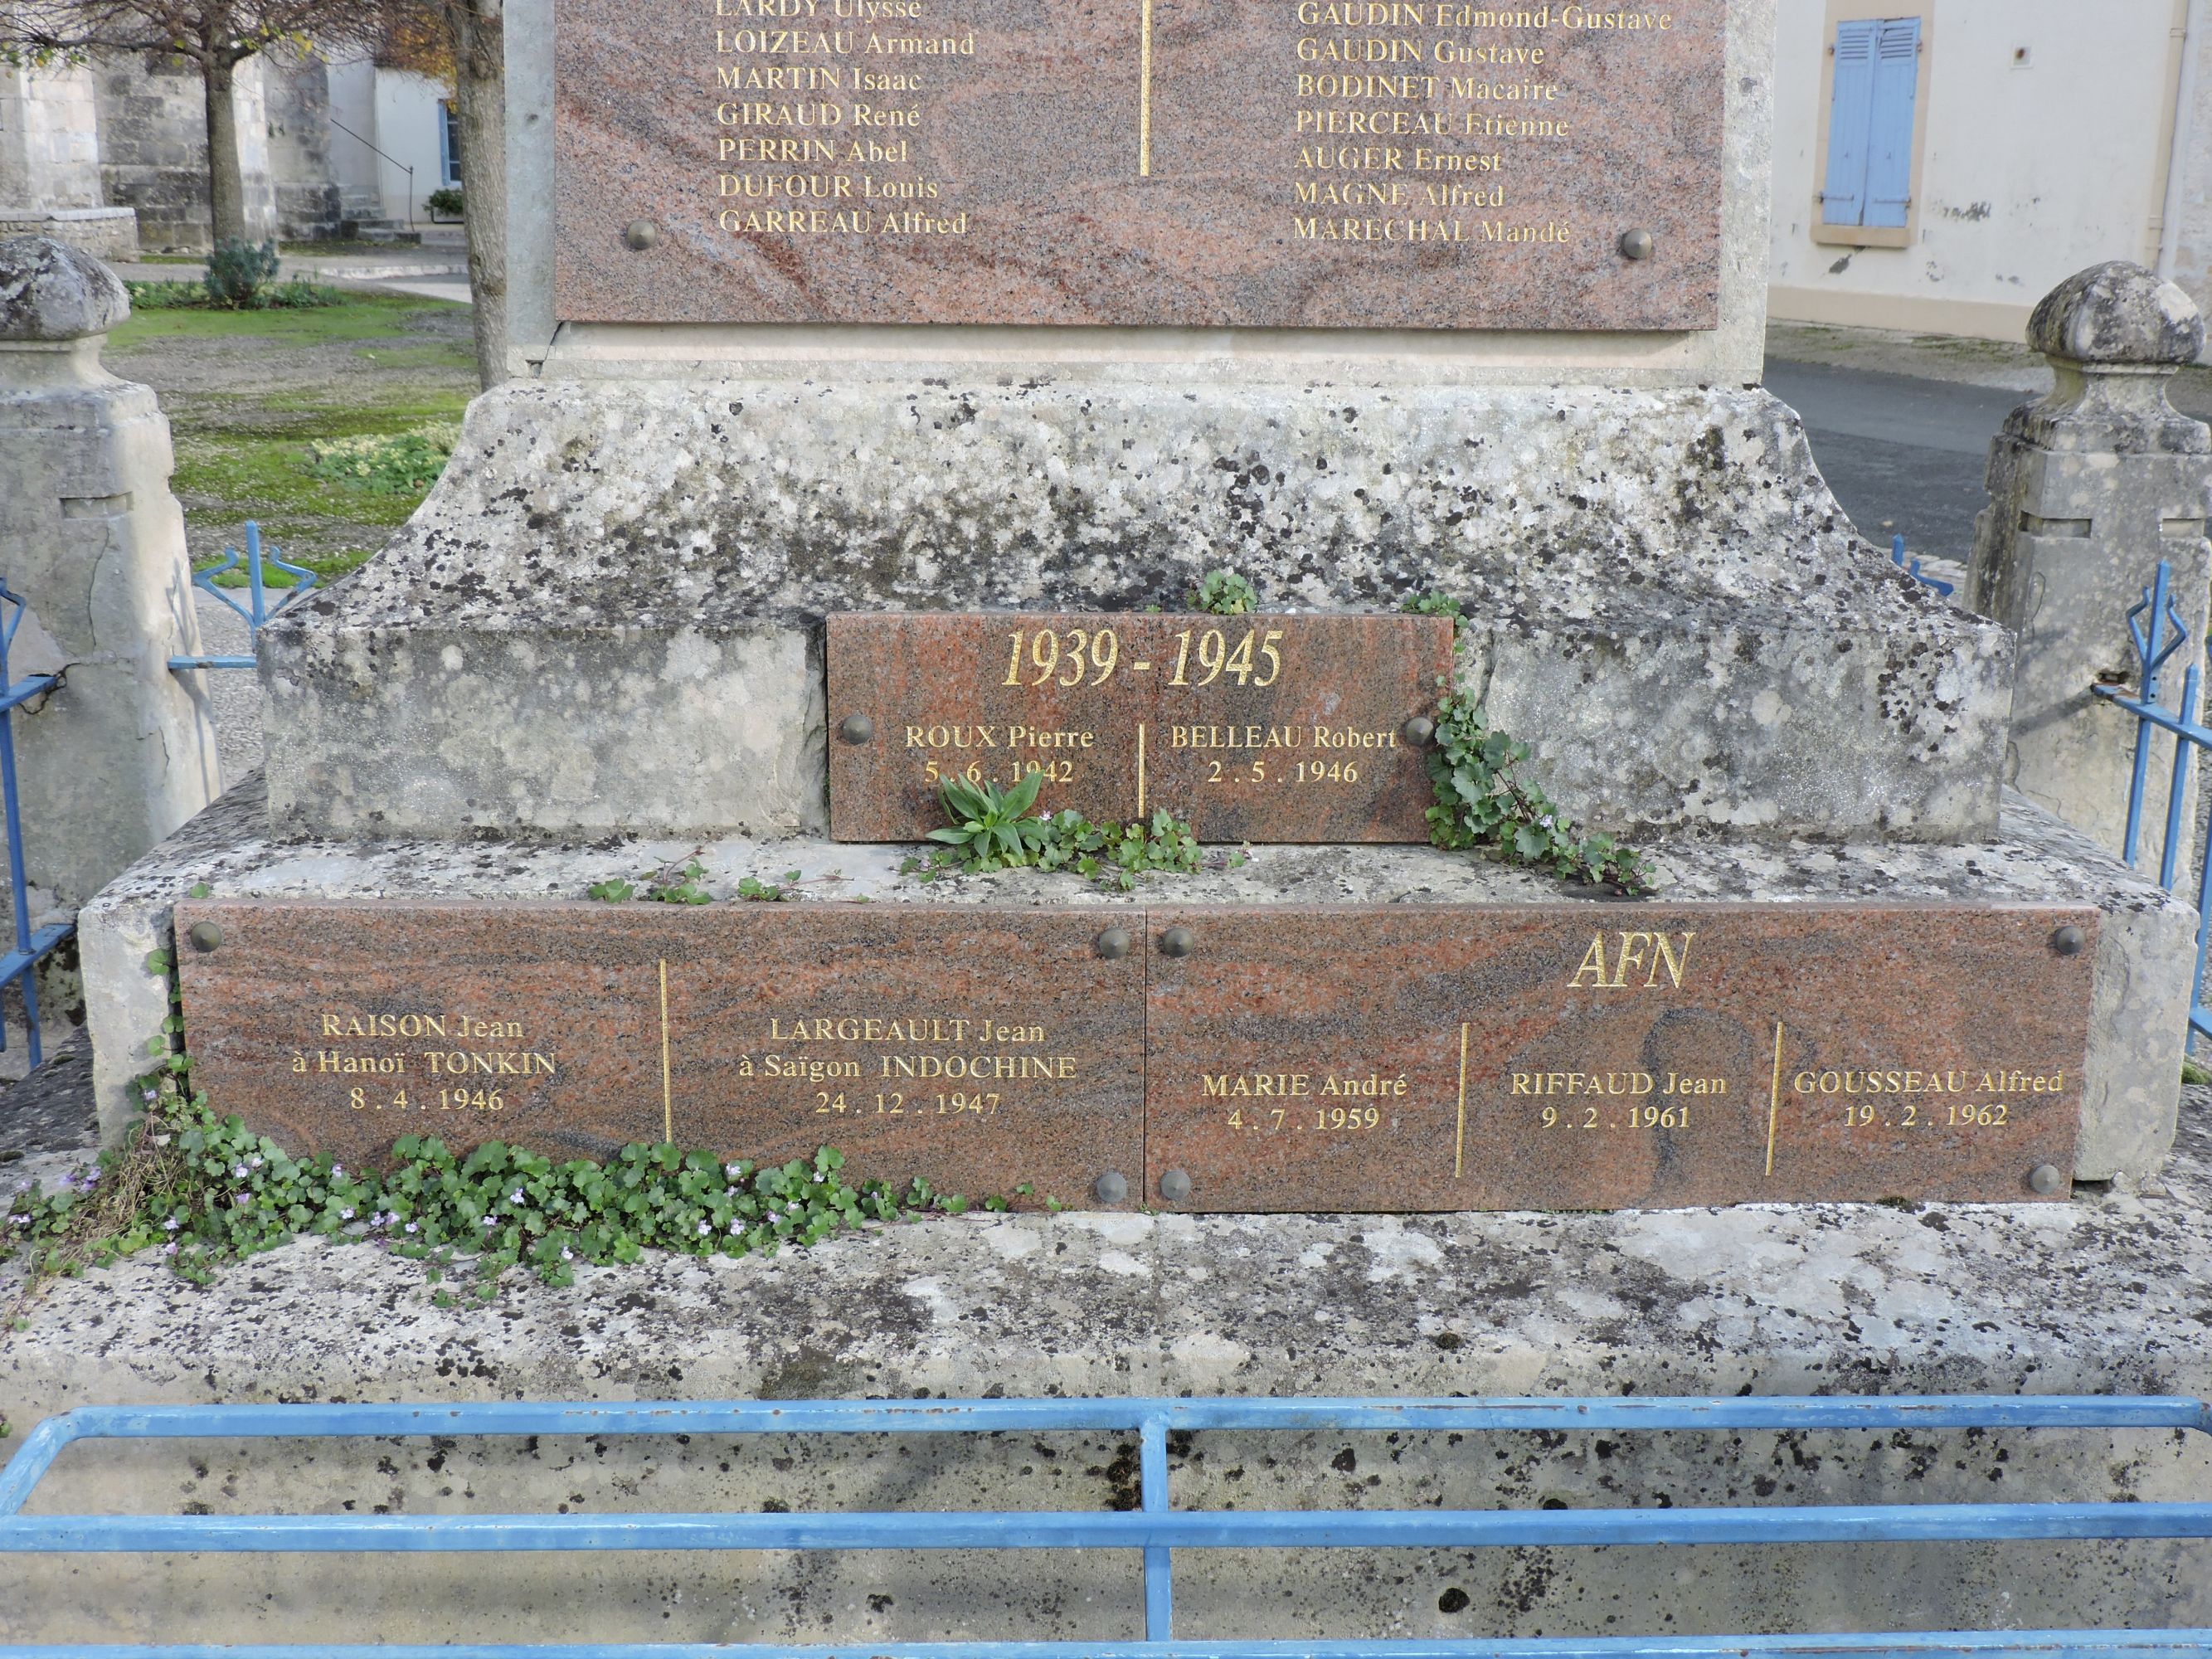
[247,392]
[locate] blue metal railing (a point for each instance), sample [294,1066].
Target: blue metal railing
[19,967]
[257,610]
[2155,625]
[1912,568]
[1155,1529]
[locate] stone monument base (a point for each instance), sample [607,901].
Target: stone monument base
[2130,1077]
[607,618]
[2102,1294]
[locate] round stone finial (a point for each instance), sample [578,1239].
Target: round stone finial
[51,291]
[2117,313]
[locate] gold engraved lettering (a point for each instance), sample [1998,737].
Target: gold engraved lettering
[374,1026]
[1360,14]
[1380,230]
[898,45]
[1653,953]
[1264,1085]
[784,43]
[778,77]
[470,1063]
[333,1062]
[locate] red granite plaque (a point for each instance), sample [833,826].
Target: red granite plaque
[978,1047]
[1398,1058]
[1259,728]
[1572,1057]
[1192,163]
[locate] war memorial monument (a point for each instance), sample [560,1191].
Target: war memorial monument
[889,377]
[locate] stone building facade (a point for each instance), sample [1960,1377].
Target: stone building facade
[111,156]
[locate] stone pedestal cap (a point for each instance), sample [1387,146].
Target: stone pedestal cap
[51,291]
[2117,313]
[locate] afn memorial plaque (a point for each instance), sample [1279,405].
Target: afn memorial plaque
[1397,1058]
[978,1047]
[1261,728]
[1192,163]
[1574,1057]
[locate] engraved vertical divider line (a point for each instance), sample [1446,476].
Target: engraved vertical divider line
[667,1095]
[1140,768]
[1144,95]
[1774,1098]
[1144,1060]
[1459,1140]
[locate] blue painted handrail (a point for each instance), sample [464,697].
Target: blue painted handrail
[1156,1530]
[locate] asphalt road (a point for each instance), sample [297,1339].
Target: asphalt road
[1903,455]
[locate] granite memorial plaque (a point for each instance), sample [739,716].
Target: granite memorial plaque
[1190,163]
[1261,728]
[978,1047]
[1425,1057]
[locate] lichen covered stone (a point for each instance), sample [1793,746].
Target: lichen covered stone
[50,291]
[2117,313]
[607,616]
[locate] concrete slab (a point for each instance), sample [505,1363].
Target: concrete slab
[2107,1293]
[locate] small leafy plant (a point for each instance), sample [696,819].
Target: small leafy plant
[1226,594]
[239,272]
[614,891]
[390,464]
[204,1190]
[1481,802]
[753,888]
[991,827]
[994,829]
[446,202]
[687,885]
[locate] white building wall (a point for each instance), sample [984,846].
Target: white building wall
[353,129]
[410,114]
[394,120]
[2044,140]
[49,139]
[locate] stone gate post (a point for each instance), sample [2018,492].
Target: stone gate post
[2089,489]
[94,542]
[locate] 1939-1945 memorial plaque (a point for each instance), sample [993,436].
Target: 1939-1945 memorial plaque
[1252,728]
[1397,1058]
[979,1047]
[1261,163]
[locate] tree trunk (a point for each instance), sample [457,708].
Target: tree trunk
[226,177]
[480,105]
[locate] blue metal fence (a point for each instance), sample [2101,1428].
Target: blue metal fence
[2154,624]
[1157,1528]
[257,610]
[19,967]
[1912,568]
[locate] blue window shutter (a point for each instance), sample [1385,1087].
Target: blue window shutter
[1896,90]
[1850,113]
